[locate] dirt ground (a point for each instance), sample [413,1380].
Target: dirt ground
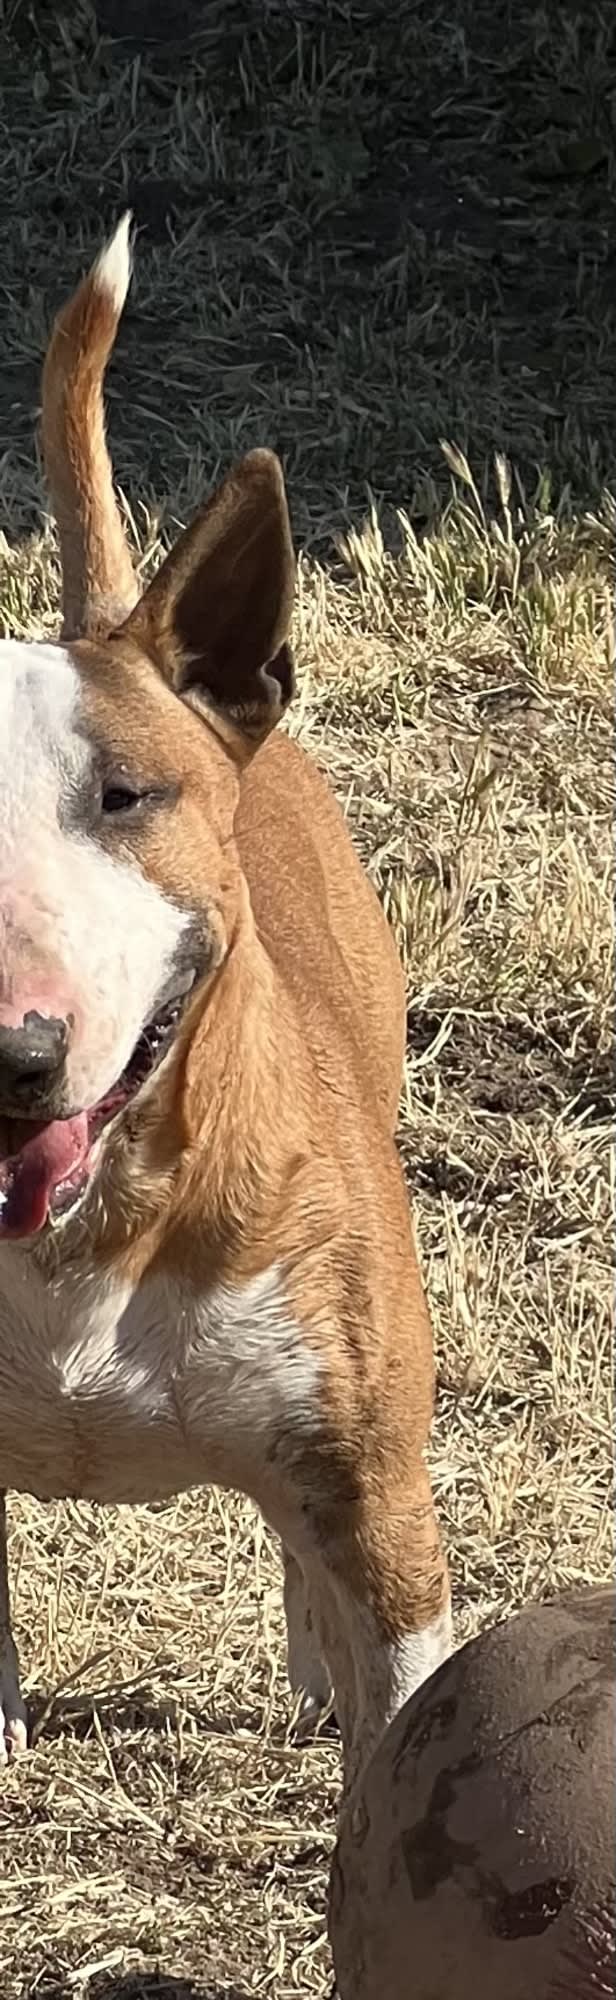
[382,247]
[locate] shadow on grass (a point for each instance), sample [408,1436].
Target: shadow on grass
[159,1985]
[139,1709]
[51,1716]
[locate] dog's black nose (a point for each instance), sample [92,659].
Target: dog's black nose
[32,1058]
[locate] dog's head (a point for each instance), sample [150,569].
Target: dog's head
[120,760]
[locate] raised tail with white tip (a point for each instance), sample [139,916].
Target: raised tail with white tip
[98,582]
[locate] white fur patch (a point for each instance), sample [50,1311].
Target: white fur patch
[416,1656]
[373,1676]
[245,1352]
[385,1678]
[38,700]
[113,1394]
[13,1720]
[79,927]
[112,271]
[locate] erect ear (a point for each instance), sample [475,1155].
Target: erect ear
[216,617]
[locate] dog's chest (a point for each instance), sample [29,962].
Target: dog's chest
[109,1393]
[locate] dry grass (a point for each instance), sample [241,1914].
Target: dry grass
[166,1839]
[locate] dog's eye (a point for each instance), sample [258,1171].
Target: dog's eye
[120,796]
[121,792]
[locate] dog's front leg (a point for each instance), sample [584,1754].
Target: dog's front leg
[378,1589]
[13,1721]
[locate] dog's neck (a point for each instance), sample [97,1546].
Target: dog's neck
[202,1175]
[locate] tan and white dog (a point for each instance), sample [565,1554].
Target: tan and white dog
[207,1269]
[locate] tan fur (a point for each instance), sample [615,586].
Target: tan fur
[267,1139]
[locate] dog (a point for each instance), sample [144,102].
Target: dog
[207,1264]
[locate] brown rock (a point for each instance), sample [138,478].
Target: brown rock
[476,1858]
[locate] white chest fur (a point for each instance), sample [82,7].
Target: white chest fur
[112,1394]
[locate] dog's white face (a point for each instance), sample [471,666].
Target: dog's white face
[89,939]
[84,937]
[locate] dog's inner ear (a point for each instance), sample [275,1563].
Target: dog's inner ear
[216,617]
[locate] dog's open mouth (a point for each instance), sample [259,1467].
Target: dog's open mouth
[45,1166]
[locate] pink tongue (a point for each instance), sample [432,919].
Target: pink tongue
[42,1157]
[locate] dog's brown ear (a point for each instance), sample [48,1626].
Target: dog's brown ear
[216,617]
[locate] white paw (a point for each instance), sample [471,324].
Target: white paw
[13,1714]
[13,1734]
